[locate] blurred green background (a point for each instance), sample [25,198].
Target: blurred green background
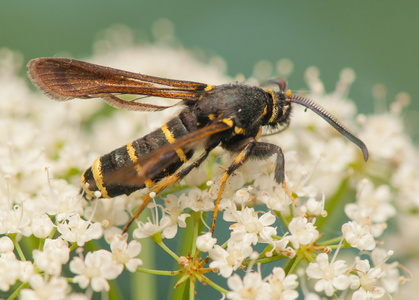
[376,38]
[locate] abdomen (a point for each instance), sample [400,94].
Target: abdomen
[92,178]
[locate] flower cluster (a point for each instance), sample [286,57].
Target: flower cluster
[277,285]
[44,148]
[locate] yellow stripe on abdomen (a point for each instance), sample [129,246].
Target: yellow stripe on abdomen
[98,176]
[133,157]
[171,139]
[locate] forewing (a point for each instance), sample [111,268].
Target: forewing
[148,166]
[63,79]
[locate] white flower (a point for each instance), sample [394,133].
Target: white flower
[312,207]
[95,269]
[77,296]
[374,201]
[358,236]
[331,275]
[77,230]
[62,200]
[391,276]
[113,210]
[52,257]
[149,228]
[406,179]
[361,216]
[14,220]
[311,296]
[109,233]
[6,245]
[272,194]
[302,232]
[173,217]
[251,287]
[366,280]
[282,287]
[174,209]
[335,154]
[281,247]
[242,196]
[205,242]
[249,227]
[41,226]
[126,254]
[228,260]
[223,261]
[54,288]
[9,270]
[27,270]
[197,200]
[385,137]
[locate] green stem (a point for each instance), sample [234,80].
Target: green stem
[17,246]
[73,246]
[192,289]
[224,245]
[143,286]
[293,263]
[265,260]
[283,219]
[53,231]
[214,285]
[158,240]
[196,218]
[41,244]
[17,291]
[331,241]
[184,294]
[159,272]
[310,256]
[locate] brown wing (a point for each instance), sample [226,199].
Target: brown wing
[63,79]
[155,162]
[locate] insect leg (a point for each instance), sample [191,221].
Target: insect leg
[265,150]
[257,150]
[166,182]
[238,161]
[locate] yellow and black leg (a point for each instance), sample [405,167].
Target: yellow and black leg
[238,161]
[166,182]
[265,150]
[258,150]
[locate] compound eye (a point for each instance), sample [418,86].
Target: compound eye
[283,113]
[279,114]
